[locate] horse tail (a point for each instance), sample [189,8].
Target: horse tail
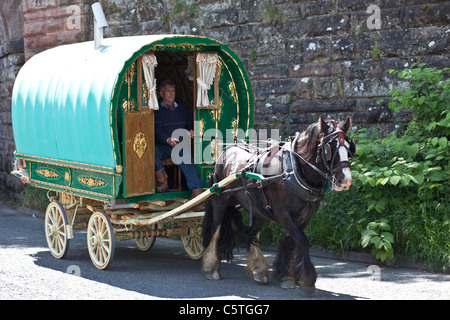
[232,229]
[230,236]
[207,227]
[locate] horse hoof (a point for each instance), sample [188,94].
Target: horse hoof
[287,283]
[260,278]
[307,291]
[214,275]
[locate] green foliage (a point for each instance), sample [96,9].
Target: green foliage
[272,15]
[400,180]
[32,197]
[376,233]
[181,7]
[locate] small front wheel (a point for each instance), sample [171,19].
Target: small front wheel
[144,243]
[192,242]
[100,240]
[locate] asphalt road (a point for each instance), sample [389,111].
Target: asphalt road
[28,271]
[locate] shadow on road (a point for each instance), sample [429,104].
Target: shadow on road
[166,272]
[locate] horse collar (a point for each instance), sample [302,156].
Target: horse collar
[296,183]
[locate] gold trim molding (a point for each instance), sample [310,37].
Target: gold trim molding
[47,173]
[91,182]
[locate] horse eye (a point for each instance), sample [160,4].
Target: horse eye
[327,152]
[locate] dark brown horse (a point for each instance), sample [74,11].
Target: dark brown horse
[298,172]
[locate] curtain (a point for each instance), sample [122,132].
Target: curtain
[206,63]
[148,65]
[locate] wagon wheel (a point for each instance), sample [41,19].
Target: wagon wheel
[56,230]
[192,242]
[100,240]
[145,243]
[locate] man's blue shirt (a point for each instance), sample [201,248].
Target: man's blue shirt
[167,121]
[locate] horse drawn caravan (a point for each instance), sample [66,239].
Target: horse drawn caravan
[83,123]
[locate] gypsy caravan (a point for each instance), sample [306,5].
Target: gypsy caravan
[83,123]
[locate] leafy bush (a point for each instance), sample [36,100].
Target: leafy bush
[376,233]
[402,178]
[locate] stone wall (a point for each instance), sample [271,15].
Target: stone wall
[11,59]
[305,58]
[50,23]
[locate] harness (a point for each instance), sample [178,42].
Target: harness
[291,175]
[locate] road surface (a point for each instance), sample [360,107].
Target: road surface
[28,271]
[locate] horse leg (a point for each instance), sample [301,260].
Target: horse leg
[301,267]
[211,258]
[293,265]
[282,261]
[257,265]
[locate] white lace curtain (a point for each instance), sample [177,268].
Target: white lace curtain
[207,63]
[148,65]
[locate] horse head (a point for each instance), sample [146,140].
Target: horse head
[334,151]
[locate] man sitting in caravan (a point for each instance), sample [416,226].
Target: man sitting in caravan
[171,116]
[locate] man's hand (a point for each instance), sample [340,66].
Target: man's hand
[172,142]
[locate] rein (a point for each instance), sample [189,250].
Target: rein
[292,152]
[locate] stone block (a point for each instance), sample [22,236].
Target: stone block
[35,28]
[264,88]
[269,72]
[314,49]
[355,47]
[31,5]
[304,88]
[415,42]
[322,106]
[327,88]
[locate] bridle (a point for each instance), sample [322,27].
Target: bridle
[324,152]
[328,158]
[291,174]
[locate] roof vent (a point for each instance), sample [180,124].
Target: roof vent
[99,23]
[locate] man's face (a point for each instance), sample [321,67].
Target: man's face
[168,94]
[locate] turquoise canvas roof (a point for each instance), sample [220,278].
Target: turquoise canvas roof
[63,106]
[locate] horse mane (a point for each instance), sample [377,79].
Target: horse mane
[307,142]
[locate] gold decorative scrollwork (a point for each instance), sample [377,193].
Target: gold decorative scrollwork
[202,128]
[182,46]
[128,105]
[235,128]
[218,111]
[129,76]
[213,148]
[91,182]
[232,87]
[145,93]
[68,177]
[47,173]
[140,144]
